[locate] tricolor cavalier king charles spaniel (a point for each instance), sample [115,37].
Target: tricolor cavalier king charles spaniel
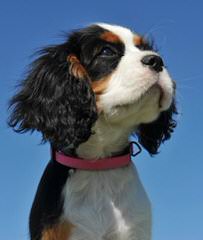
[87,96]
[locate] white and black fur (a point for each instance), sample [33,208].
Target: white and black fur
[87,96]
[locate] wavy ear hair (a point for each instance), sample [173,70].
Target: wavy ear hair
[55,99]
[151,135]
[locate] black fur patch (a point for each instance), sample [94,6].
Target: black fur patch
[48,203]
[56,103]
[153,134]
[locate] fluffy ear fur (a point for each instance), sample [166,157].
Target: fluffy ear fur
[55,99]
[151,135]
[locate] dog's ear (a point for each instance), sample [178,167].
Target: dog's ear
[151,135]
[55,99]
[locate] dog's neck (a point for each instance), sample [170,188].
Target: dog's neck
[108,139]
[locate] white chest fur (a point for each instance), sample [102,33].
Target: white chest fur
[107,205]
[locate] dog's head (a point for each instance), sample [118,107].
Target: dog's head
[101,70]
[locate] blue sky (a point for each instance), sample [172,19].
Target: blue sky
[174,178]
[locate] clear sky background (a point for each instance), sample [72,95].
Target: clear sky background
[174,178]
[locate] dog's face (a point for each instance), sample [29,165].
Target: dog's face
[125,71]
[100,70]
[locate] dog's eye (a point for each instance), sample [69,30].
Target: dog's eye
[107,52]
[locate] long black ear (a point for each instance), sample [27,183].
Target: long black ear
[55,99]
[151,135]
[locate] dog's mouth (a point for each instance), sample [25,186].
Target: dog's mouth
[164,98]
[161,94]
[156,93]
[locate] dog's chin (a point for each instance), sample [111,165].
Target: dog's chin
[145,109]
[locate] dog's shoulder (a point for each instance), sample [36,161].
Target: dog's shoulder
[48,203]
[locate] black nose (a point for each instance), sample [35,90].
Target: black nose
[154,62]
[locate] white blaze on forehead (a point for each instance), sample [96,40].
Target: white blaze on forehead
[125,34]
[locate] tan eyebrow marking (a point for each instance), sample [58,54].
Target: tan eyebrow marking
[138,40]
[110,37]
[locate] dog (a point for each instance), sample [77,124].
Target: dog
[87,96]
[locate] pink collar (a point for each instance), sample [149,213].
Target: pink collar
[99,164]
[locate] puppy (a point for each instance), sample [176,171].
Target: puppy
[87,96]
